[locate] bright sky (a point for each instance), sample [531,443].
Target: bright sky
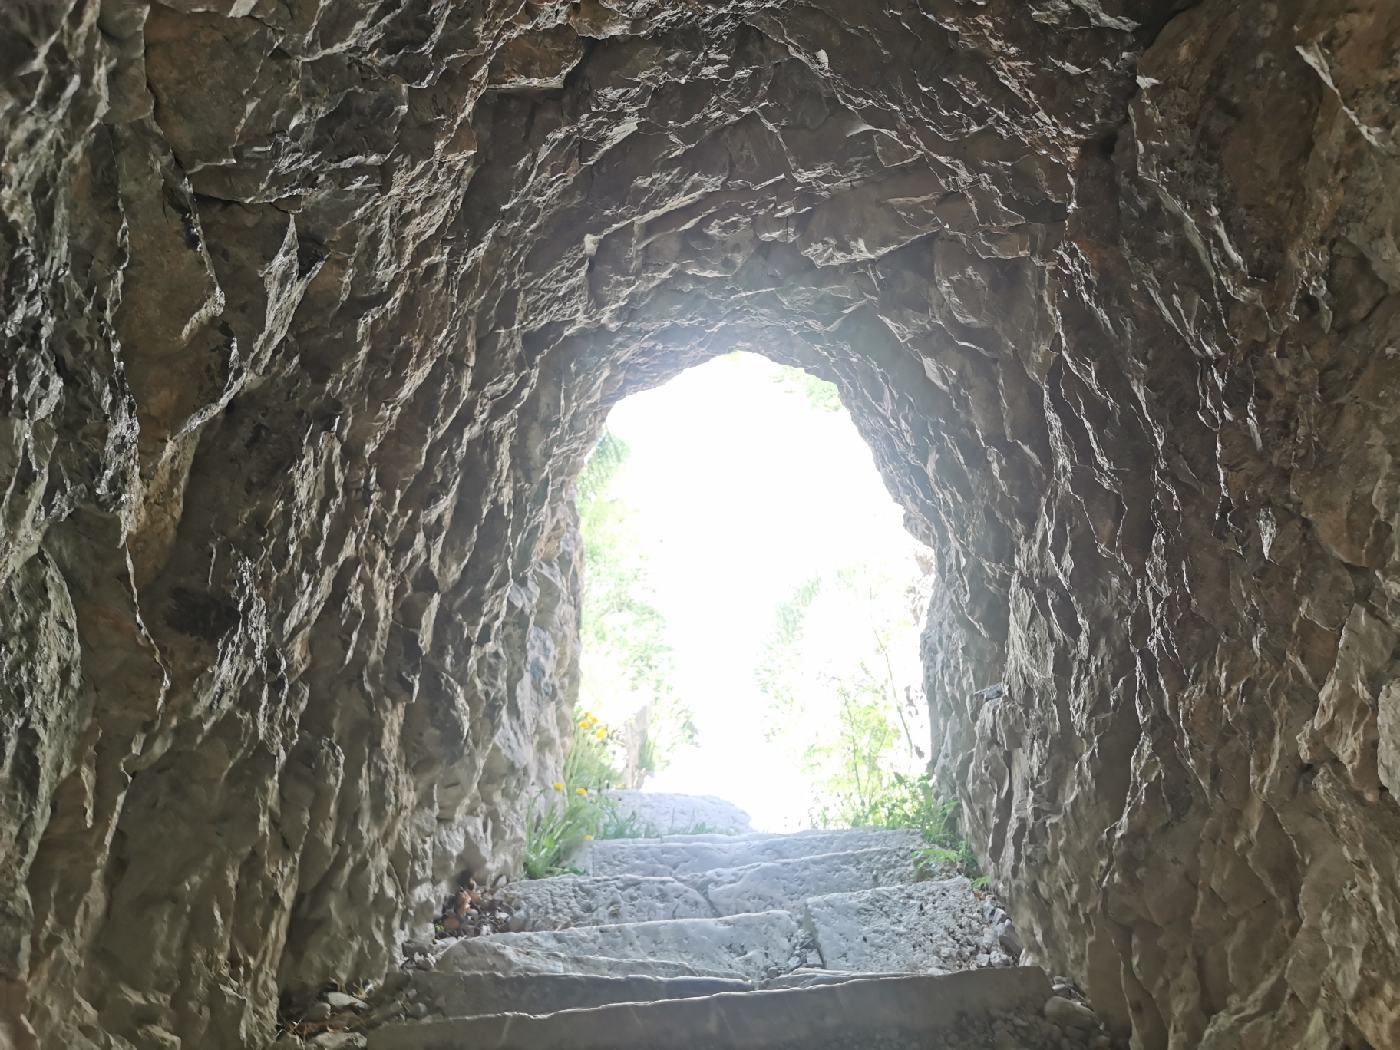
[742,489]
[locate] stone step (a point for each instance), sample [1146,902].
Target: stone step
[817,978]
[752,946]
[787,883]
[767,836]
[496,955]
[657,813]
[928,927]
[578,900]
[931,927]
[899,1013]
[474,994]
[695,855]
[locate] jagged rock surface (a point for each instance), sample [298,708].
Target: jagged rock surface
[311,309]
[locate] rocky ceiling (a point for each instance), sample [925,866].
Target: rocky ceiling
[310,309]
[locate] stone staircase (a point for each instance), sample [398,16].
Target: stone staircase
[812,940]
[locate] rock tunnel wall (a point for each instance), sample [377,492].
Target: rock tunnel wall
[312,307]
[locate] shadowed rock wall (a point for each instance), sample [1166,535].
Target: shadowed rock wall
[311,309]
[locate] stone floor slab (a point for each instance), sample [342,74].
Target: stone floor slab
[574,900]
[657,813]
[470,995]
[896,1012]
[696,855]
[787,883]
[926,927]
[757,946]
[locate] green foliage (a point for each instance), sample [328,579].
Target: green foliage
[576,809]
[701,828]
[589,763]
[616,825]
[857,780]
[781,671]
[553,832]
[911,802]
[843,710]
[932,861]
[632,826]
[624,635]
[649,760]
[627,661]
[937,855]
[818,393]
[603,464]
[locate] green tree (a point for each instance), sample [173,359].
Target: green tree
[835,694]
[627,660]
[819,394]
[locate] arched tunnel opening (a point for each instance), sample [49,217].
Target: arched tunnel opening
[312,313]
[751,605]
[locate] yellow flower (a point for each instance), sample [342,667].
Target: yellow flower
[588,838]
[586,722]
[580,791]
[558,786]
[602,734]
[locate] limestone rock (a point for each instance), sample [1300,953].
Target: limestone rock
[928,927]
[311,312]
[1068,1014]
[900,1013]
[466,995]
[659,813]
[687,855]
[787,883]
[497,955]
[537,60]
[751,946]
[571,900]
[341,1001]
